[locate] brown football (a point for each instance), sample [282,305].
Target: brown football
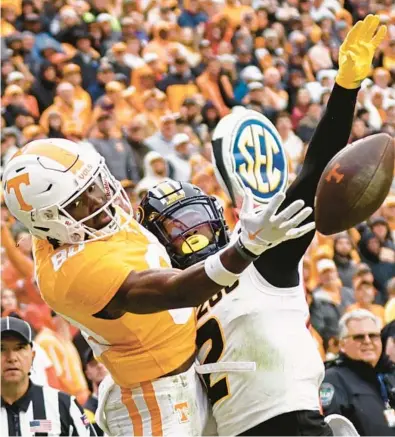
[354,184]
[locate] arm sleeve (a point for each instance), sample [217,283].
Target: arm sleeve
[332,395]
[330,137]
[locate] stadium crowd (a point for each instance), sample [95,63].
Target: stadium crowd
[145,83]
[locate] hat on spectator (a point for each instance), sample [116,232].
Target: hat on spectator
[30,132]
[270,33]
[325,264]
[65,86]
[251,73]
[180,139]
[361,269]
[13,90]
[71,68]
[31,18]
[104,116]
[118,47]
[127,183]
[67,12]
[252,86]
[326,74]
[114,86]
[127,21]
[16,36]
[22,329]
[169,117]
[389,201]
[189,101]
[105,67]
[8,132]
[150,57]
[204,43]
[378,221]
[15,75]
[227,58]
[104,18]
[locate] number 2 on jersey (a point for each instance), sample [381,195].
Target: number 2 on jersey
[211,333]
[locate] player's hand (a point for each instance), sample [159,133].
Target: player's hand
[357,51]
[262,227]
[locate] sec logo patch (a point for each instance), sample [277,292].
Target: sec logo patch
[260,159]
[248,153]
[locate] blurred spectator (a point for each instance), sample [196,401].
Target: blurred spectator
[293,145]
[9,142]
[208,83]
[105,74]
[179,159]
[95,372]
[86,57]
[156,170]
[69,109]
[179,84]
[116,151]
[330,299]
[59,347]
[364,293]
[369,248]
[44,86]
[162,141]
[390,305]
[134,135]
[353,383]
[346,266]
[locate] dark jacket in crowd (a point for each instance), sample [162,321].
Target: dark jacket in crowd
[382,271]
[352,388]
[43,90]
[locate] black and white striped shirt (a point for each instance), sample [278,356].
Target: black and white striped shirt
[44,411]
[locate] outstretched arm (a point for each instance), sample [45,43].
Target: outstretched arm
[156,290]
[330,137]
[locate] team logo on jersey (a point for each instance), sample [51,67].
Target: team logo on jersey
[248,153]
[182,410]
[327,392]
[259,159]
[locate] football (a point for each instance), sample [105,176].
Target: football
[354,184]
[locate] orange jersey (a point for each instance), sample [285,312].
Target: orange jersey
[78,281]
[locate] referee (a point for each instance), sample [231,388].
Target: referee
[28,409]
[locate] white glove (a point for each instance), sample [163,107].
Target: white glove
[262,229]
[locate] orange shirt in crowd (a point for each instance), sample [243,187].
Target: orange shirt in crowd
[210,91]
[67,363]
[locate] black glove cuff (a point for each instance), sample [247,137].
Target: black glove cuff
[244,252]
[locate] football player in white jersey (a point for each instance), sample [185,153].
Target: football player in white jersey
[261,366]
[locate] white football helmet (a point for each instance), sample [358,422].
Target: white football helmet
[46,176]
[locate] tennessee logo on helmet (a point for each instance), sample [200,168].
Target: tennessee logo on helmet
[67,159]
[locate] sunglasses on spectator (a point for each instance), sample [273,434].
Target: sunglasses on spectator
[373,336]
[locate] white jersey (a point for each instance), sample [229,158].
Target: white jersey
[253,325]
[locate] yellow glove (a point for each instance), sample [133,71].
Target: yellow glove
[357,51]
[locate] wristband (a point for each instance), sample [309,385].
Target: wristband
[217,272]
[244,252]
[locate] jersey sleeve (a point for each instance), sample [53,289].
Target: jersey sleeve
[98,281]
[332,395]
